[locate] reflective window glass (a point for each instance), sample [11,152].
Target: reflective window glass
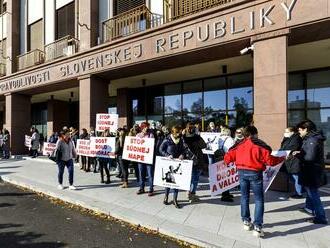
[214,94]
[192,96]
[296,92]
[172,98]
[318,89]
[240,91]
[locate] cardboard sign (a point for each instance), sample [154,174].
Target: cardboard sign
[28,141]
[106,121]
[271,171]
[48,148]
[103,147]
[139,150]
[173,173]
[222,177]
[212,142]
[83,148]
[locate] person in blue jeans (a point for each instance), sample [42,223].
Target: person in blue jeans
[312,175]
[251,157]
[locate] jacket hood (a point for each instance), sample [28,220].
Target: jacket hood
[317,135]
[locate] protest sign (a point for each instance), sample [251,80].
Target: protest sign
[83,148]
[48,148]
[106,121]
[222,177]
[1,141]
[271,171]
[212,142]
[28,141]
[139,149]
[173,173]
[103,147]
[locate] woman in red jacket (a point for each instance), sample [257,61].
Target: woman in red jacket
[251,157]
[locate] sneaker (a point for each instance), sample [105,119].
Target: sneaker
[140,191]
[316,221]
[247,225]
[306,211]
[60,187]
[150,193]
[71,187]
[258,232]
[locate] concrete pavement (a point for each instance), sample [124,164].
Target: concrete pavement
[209,223]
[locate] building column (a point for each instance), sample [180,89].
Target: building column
[88,23]
[18,121]
[13,38]
[57,116]
[124,109]
[270,89]
[93,99]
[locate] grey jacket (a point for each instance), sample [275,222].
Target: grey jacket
[67,149]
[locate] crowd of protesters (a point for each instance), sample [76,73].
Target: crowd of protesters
[304,164]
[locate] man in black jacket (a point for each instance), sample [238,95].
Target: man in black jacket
[311,156]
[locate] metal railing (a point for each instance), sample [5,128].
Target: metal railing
[63,47]
[2,69]
[181,8]
[133,21]
[32,58]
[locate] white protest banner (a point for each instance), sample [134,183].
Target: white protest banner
[271,171]
[83,148]
[48,148]
[103,147]
[106,121]
[28,141]
[212,142]
[1,141]
[173,173]
[139,149]
[222,177]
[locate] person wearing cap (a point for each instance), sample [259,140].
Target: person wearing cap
[145,168]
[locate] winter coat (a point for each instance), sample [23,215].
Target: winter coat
[35,141]
[84,136]
[119,148]
[169,148]
[195,144]
[251,154]
[67,149]
[293,143]
[160,136]
[6,142]
[312,161]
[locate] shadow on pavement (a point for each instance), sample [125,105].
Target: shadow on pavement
[16,194]
[6,205]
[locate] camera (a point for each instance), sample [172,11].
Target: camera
[247,50]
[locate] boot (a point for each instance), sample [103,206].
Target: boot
[124,185]
[102,180]
[108,181]
[175,202]
[165,199]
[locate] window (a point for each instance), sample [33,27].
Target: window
[121,6]
[3,7]
[35,35]
[214,94]
[172,97]
[65,21]
[318,89]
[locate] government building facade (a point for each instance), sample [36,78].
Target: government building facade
[233,62]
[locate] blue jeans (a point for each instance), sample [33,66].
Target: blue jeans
[175,192]
[313,202]
[252,180]
[61,165]
[211,158]
[143,170]
[297,186]
[195,179]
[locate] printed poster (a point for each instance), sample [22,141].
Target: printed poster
[48,148]
[103,147]
[83,148]
[212,142]
[173,173]
[28,141]
[139,150]
[106,121]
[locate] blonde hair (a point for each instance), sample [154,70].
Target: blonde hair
[225,131]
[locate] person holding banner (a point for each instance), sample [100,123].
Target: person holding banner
[67,152]
[91,161]
[84,136]
[104,162]
[6,144]
[145,168]
[120,141]
[251,157]
[173,147]
[35,142]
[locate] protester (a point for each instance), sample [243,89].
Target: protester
[91,161]
[133,132]
[173,147]
[35,142]
[6,144]
[251,157]
[120,141]
[84,136]
[67,153]
[292,142]
[238,135]
[211,129]
[104,162]
[1,143]
[312,175]
[195,144]
[145,168]
[53,138]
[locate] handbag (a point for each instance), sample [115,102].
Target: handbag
[56,155]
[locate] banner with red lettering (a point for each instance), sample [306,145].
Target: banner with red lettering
[103,147]
[83,148]
[173,173]
[28,141]
[48,148]
[139,150]
[106,121]
[222,177]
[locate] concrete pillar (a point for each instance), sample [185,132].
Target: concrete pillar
[124,107]
[57,116]
[270,89]
[88,23]
[93,99]
[13,38]
[18,120]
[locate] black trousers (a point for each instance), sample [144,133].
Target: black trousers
[104,167]
[124,168]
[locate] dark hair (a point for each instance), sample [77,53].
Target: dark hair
[307,124]
[188,123]
[176,129]
[249,131]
